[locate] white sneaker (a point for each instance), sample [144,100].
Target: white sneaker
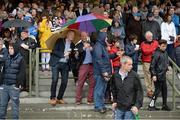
[178,75]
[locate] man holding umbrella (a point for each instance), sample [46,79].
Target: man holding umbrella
[60,62]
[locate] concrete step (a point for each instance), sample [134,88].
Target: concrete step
[71,100]
[72,111]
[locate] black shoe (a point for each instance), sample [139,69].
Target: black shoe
[165,108]
[153,108]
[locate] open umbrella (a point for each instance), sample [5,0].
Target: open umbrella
[50,42]
[89,23]
[16,23]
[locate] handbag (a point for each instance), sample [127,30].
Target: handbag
[171,38]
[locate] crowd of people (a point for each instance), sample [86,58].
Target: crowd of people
[144,32]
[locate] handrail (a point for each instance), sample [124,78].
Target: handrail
[30,72]
[174,64]
[172,84]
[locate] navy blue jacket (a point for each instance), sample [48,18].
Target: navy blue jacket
[14,71]
[58,52]
[129,51]
[101,58]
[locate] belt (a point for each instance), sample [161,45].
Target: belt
[88,64]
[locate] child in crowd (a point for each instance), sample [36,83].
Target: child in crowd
[132,50]
[158,69]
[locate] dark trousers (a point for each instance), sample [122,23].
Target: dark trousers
[170,50]
[160,86]
[135,67]
[63,68]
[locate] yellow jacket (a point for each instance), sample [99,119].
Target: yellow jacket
[45,33]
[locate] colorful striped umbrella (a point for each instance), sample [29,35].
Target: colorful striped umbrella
[89,23]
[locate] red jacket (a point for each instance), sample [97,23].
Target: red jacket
[148,50]
[115,61]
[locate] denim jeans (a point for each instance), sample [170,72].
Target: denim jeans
[9,93]
[63,68]
[123,115]
[99,92]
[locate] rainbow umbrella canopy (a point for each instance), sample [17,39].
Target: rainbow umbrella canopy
[89,23]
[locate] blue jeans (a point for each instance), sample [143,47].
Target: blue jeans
[123,115]
[99,92]
[63,68]
[9,93]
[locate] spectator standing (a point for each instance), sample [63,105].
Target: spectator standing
[151,25]
[26,43]
[85,68]
[147,48]
[132,50]
[168,33]
[127,91]
[81,10]
[60,62]
[69,12]
[157,18]
[45,33]
[158,69]
[102,70]
[96,9]
[118,31]
[13,77]
[175,19]
[134,26]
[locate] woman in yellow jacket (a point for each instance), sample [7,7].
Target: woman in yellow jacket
[44,34]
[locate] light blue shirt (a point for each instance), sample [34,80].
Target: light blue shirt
[67,48]
[88,57]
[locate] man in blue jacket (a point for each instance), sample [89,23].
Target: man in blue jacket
[175,19]
[102,70]
[13,77]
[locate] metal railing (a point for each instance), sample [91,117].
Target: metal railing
[172,83]
[37,76]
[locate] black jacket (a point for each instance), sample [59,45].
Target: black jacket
[14,73]
[58,53]
[84,12]
[82,53]
[159,64]
[152,26]
[177,55]
[127,93]
[25,53]
[3,56]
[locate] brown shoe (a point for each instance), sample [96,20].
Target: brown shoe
[61,101]
[53,102]
[150,94]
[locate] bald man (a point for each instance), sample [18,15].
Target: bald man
[85,68]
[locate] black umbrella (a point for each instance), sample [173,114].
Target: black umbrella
[16,23]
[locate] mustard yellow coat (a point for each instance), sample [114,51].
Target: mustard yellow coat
[44,34]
